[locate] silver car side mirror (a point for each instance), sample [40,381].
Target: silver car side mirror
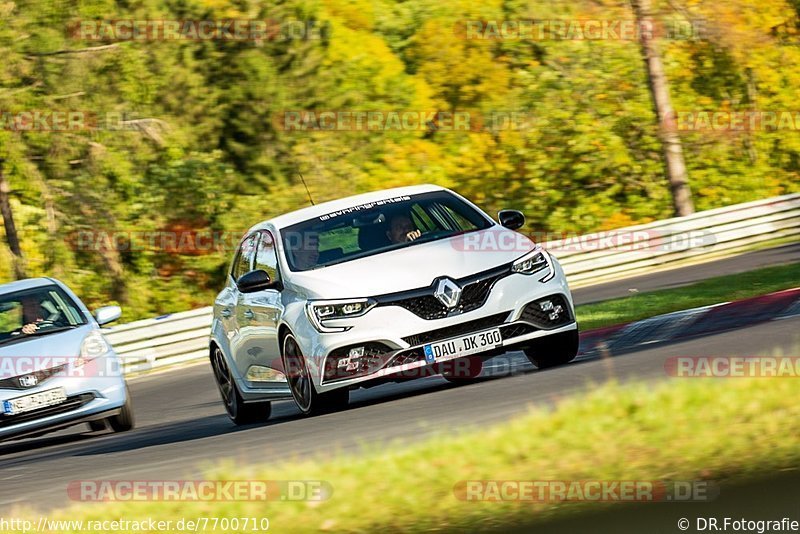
[107,314]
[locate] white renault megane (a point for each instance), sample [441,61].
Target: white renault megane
[378,287]
[56,368]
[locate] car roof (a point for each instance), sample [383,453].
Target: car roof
[304,214]
[28,283]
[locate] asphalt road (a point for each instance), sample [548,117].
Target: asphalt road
[688,275]
[182,426]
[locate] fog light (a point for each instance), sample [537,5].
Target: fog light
[556,312]
[351,363]
[260,373]
[546,305]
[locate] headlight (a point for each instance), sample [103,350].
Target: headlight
[535,261]
[93,345]
[320,311]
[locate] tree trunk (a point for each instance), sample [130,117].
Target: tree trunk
[659,88]
[8,222]
[108,253]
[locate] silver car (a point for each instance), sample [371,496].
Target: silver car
[56,368]
[385,286]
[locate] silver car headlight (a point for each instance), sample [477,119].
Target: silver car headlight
[535,261]
[93,346]
[320,311]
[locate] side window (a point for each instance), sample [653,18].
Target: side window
[421,219]
[461,223]
[244,257]
[266,257]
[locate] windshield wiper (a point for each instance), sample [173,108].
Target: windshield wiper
[15,338]
[46,330]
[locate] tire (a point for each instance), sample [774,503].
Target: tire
[462,370]
[123,421]
[305,395]
[240,412]
[554,350]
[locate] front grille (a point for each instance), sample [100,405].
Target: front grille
[41,376]
[72,403]
[422,302]
[457,329]
[473,297]
[534,314]
[376,355]
[427,307]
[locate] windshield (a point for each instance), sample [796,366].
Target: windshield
[36,312]
[377,227]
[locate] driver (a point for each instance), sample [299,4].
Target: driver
[32,315]
[402,229]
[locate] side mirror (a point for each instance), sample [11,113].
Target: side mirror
[107,314]
[511,219]
[257,280]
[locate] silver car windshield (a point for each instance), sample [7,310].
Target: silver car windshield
[36,312]
[376,227]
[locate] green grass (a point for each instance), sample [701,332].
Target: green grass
[711,291]
[673,431]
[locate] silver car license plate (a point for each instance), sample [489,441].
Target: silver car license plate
[41,399]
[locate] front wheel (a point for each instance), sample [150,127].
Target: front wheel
[123,421]
[308,401]
[553,350]
[240,412]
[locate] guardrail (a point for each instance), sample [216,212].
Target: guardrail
[591,258]
[163,341]
[618,254]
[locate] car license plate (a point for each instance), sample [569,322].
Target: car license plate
[35,401]
[462,346]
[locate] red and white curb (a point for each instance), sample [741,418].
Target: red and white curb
[693,322]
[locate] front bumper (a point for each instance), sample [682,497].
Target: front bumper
[88,398]
[394,337]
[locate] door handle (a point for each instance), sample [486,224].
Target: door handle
[248,314]
[225,312]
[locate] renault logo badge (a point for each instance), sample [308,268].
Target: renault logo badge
[447,292]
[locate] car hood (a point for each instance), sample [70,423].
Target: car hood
[37,353]
[414,266]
